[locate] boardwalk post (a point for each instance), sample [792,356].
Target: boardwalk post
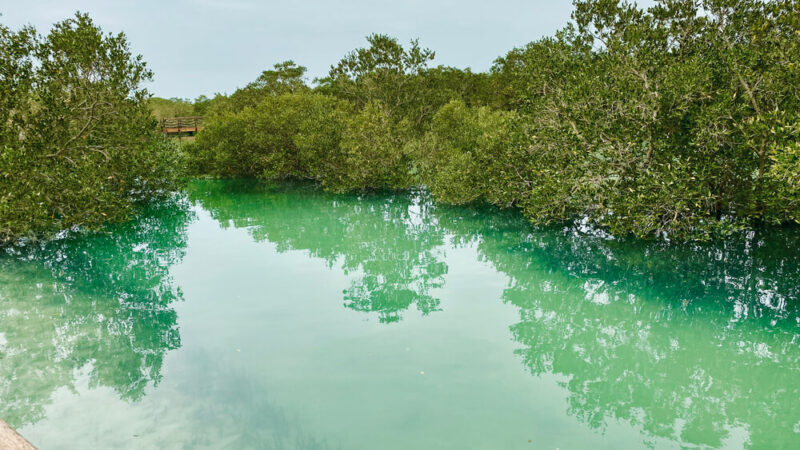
[11,440]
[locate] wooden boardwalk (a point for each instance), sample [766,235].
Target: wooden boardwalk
[11,440]
[181,125]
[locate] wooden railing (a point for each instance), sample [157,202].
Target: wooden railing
[180,125]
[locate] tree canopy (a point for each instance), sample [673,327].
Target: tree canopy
[79,144]
[677,121]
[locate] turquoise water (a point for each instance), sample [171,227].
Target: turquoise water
[252,316]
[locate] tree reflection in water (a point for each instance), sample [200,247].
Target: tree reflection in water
[692,343]
[96,300]
[687,341]
[390,241]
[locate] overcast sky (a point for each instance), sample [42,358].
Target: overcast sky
[205,46]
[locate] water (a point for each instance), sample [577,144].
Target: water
[250,316]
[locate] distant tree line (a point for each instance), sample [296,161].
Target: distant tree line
[679,121]
[166,108]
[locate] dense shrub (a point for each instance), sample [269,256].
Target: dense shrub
[384,73]
[659,121]
[374,150]
[473,154]
[79,144]
[783,178]
[283,136]
[673,121]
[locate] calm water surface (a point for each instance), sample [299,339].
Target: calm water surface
[250,316]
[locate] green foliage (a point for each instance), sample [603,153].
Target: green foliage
[80,147]
[783,178]
[379,72]
[385,73]
[658,121]
[374,151]
[673,121]
[164,108]
[306,136]
[201,105]
[442,84]
[286,78]
[287,135]
[355,132]
[470,154]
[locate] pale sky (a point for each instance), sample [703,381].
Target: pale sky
[199,47]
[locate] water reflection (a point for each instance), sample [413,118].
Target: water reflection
[390,242]
[689,342]
[695,343]
[99,301]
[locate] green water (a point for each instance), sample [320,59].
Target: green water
[249,316]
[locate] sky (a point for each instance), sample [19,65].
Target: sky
[201,47]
